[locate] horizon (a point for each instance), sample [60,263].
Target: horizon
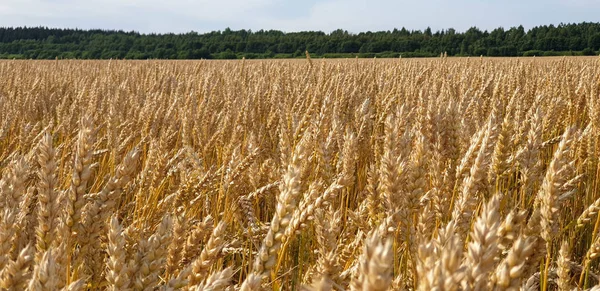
[298,31]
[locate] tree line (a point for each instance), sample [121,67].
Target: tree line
[49,43]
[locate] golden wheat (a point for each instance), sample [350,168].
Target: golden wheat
[438,174]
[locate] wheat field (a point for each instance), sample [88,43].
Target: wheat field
[437,174]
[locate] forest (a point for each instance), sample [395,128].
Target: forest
[50,43]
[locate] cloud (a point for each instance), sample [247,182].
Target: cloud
[362,15]
[581,3]
[326,15]
[147,15]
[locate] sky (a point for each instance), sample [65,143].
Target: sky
[180,16]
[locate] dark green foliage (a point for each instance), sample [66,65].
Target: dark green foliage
[532,53]
[588,52]
[47,43]
[227,55]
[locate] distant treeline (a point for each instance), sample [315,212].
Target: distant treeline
[49,43]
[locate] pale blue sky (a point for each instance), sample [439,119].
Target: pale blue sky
[326,15]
